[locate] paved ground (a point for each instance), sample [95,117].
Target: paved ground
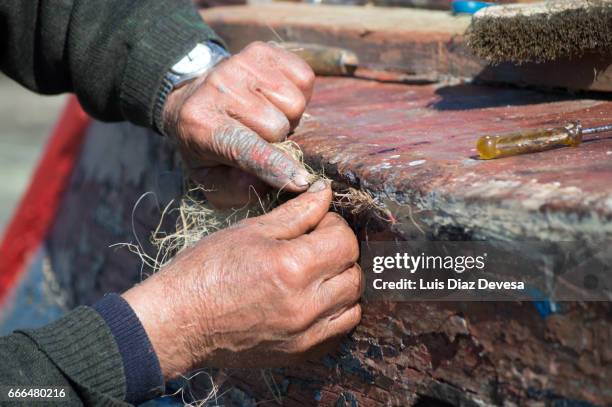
[25,120]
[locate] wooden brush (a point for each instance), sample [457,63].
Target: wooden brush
[540,32]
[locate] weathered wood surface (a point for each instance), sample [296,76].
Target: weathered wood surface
[411,146]
[588,72]
[419,45]
[417,42]
[454,354]
[415,145]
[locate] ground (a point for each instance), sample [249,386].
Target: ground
[25,121]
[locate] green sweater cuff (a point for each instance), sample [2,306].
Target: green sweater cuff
[166,41]
[82,346]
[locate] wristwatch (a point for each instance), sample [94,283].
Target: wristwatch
[201,59]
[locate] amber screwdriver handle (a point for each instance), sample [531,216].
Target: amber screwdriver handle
[529,141]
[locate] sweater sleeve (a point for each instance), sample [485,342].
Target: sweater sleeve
[77,352]
[113,54]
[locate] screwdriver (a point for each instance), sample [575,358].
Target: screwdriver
[532,141]
[323,59]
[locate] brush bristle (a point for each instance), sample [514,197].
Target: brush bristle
[541,32]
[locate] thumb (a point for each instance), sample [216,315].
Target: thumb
[301,214]
[243,148]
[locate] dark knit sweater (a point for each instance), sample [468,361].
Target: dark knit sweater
[113,55]
[81,353]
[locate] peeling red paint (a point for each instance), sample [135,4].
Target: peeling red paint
[422,139]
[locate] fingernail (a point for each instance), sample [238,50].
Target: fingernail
[318,186]
[302,179]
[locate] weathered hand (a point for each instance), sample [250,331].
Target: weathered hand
[226,120]
[260,293]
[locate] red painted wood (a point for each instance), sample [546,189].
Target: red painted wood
[36,211]
[421,140]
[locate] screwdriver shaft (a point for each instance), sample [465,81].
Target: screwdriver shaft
[598,129]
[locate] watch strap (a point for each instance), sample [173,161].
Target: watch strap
[160,101]
[172,81]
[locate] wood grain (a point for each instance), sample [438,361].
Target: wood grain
[416,43]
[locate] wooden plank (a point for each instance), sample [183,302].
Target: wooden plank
[421,44]
[591,72]
[412,41]
[415,145]
[453,354]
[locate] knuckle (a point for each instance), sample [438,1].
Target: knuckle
[301,345]
[334,218]
[277,123]
[287,211]
[256,85]
[256,46]
[305,76]
[344,234]
[357,281]
[342,228]
[355,315]
[190,112]
[297,107]
[297,316]
[292,271]
[353,247]
[247,225]
[283,126]
[215,78]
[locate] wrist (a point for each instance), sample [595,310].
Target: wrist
[171,112]
[154,327]
[140,364]
[171,325]
[196,64]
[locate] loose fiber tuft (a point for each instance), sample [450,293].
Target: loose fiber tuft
[196,219]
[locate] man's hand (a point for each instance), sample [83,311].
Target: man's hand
[260,293]
[226,120]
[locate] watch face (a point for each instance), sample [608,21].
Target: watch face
[198,59]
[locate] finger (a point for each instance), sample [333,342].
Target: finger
[243,148]
[299,215]
[259,114]
[279,91]
[339,292]
[330,327]
[329,249]
[240,88]
[227,187]
[295,69]
[332,220]
[290,65]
